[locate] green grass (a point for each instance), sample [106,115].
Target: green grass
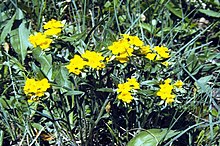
[84,109]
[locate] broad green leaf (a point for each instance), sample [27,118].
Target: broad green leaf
[151,137]
[203,85]
[19,14]
[210,13]
[7,29]
[19,41]
[205,80]
[37,71]
[62,77]
[45,62]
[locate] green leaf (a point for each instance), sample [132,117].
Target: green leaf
[193,63]
[149,82]
[105,90]
[175,10]
[19,41]
[62,77]
[45,62]
[148,27]
[1,137]
[37,71]
[210,13]
[7,29]
[74,92]
[151,137]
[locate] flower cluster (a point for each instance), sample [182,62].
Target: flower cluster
[124,48]
[36,88]
[89,58]
[42,40]
[125,90]
[157,53]
[166,90]
[53,27]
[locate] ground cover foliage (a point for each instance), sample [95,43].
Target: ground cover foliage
[98,72]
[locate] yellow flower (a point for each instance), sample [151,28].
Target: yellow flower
[145,49]
[40,40]
[52,31]
[162,51]
[53,27]
[165,91]
[36,88]
[123,87]
[53,24]
[165,63]
[178,84]
[133,83]
[125,97]
[151,56]
[76,65]
[133,40]
[30,87]
[167,81]
[120,46]
[93,59]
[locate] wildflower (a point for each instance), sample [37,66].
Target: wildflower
[76,65]
[151,56]
[133,83]
[41,40]
[165,91]
[178,84]
[162,51]
[145,49]
[53,27]
[126,88]
[165,63]
[36,88]
[133,40]
[124,47]
[93,59]
[125,97]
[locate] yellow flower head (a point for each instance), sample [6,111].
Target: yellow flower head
[53,24]
[165,91]
[162,51]
[36,88]
[133,83]
[165,63]
[178,84]
[125,97]
[53,31]
[76,65]
[124,87]
[53,27]
[145,49]
[133,40]
[93,59]
[151,56]
[41,40]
